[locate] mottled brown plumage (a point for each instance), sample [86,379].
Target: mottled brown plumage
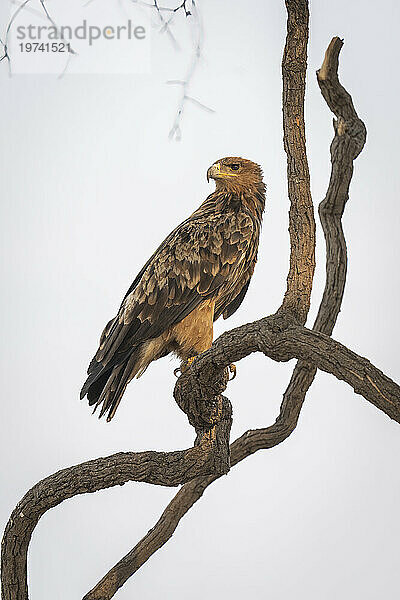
[201,271]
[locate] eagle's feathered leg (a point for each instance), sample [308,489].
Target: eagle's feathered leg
[194,335]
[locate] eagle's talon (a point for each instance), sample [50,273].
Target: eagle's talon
[232,369]
[184,366]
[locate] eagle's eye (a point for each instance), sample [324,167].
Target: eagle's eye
[234,167]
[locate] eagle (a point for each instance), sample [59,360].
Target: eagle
[201,271]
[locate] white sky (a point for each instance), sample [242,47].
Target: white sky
[90,184]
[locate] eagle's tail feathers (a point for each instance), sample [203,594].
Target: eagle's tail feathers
[118,386]
[108,389]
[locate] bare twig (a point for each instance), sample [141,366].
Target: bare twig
[165,25]
[59,31]
[27,8]
[8,28]
[24,6]
[176,131]
[5,53]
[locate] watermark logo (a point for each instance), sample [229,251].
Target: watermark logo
[85,31]
[59,37]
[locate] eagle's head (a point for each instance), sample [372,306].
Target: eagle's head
[235,174]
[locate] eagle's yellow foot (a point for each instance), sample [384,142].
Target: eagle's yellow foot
[179,370]
[190,361]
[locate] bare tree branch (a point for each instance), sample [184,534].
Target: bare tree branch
[176,132]
[189,9]
[324,352]
[347,144]
[210,454]
[301,218]
[165,24]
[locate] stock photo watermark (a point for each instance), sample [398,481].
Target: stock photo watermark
[78,39]
[85,31]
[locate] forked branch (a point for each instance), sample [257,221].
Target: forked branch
[212,416]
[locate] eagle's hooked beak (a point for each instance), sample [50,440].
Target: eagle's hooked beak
[213,171]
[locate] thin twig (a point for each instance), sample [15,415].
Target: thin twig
[176,131]
[24,6]
[59,31]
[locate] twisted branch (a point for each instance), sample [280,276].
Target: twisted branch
[212,416]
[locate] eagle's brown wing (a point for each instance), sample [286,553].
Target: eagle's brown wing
[230,305]
[202,258]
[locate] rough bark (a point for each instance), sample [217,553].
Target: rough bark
[281,337]
[296,301]
[330,356]
[210,454]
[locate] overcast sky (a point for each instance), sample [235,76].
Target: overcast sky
[90,185]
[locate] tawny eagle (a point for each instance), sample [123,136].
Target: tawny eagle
[201,271]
